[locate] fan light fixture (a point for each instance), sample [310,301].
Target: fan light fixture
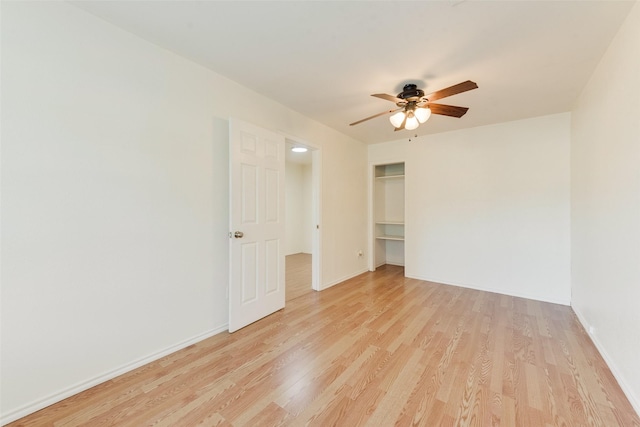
[414,118]
[299,149]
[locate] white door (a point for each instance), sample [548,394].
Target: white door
[257,168]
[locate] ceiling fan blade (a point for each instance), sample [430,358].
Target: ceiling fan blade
[387,97]
[448,110]
[374,116]
[452,90]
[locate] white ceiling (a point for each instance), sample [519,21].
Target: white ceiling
[324,58]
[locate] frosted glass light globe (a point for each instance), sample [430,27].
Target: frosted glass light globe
[412,122]
[397,119]
[422,114]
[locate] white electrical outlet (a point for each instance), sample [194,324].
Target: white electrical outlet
[592,330]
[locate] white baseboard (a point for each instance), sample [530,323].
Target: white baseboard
[610,363]
[56,397]
[342,279]
[396,263]
[495,291]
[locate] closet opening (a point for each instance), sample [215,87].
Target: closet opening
[388,215]
[302,219]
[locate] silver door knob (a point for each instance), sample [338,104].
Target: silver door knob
[238,234]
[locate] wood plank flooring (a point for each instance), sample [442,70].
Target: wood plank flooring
[298,275]
[377,350]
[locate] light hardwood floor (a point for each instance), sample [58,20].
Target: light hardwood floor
[298,275]
[378,350]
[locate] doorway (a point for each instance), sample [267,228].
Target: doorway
[302,224]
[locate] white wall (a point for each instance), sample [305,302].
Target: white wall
[299,212]
[114,200]
[293,243]
[488,207]
[605,200]
[307,209]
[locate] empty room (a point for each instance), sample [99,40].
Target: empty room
[261,213]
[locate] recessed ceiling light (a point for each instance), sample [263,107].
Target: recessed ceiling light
[299,149]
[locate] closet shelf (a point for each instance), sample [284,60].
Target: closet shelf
[390,237]
[390,177]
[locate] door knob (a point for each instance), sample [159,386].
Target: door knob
[238,234]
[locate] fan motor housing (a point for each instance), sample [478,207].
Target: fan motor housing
[411,91]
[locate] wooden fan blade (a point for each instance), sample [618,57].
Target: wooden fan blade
[448,110]
[452,90]
[387,97]
[374,116]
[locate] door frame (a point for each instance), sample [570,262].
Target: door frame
[316,207]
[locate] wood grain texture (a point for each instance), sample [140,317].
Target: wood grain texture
[377,350]
[297,275]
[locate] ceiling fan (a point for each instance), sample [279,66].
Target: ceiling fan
[415,108]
